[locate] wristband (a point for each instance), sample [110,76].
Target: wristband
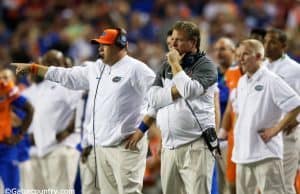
[143,127]
[79,147]
[34,68]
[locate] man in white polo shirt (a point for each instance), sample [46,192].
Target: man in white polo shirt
[289,70]
[118,84]
[53,131]
[262,97]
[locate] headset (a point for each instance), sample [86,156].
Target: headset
[121,40]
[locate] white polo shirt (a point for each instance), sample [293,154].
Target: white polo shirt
[54,107]
[261,100]
[288,69]
[118,96]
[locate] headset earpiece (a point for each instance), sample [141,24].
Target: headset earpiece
[121,40]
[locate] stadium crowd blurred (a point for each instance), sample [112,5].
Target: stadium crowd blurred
[28,28]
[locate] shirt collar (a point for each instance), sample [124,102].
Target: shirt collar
[118,63]
[274,63]
[257,75]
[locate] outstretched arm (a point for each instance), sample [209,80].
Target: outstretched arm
[32,68]
[75,78]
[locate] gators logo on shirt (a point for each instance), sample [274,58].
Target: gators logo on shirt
[259,87]
[116,79]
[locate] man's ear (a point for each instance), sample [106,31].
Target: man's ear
[259,56]
[194,42]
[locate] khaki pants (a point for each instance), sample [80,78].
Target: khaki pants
[187,169]
[56,170]
[266,175]
[89,184]
[221,169]
[120,170]
[291,159]
[31,176]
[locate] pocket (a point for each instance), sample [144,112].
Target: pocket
[194,156]
[193,152]
[123,149]
[189,155]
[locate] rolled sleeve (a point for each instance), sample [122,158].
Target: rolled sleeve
[284,96]
[187,87]
[290,104]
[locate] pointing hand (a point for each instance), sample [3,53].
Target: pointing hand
[22,68]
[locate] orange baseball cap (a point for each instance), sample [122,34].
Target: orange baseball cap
[108,36]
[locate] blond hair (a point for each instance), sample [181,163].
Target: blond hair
[255,46]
